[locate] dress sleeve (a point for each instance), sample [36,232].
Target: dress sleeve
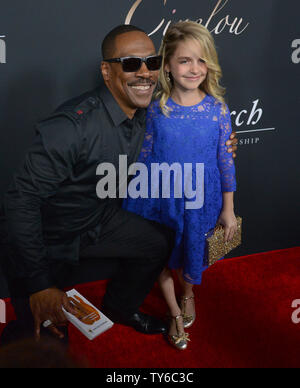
[225,159]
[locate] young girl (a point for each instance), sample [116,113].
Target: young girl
[189,123]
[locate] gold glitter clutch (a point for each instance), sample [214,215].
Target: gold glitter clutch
[217,248]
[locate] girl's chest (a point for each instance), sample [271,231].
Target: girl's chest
[185,131]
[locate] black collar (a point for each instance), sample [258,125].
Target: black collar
[116,113]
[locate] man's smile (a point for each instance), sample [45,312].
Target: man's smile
[142,88]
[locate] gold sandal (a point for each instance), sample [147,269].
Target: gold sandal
[179,341]
[188,320]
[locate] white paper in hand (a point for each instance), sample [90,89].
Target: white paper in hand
[89,320]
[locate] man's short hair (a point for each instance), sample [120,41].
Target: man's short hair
[108,45]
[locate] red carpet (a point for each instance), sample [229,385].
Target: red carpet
[244,320]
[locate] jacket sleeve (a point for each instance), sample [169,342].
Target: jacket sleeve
[47,164]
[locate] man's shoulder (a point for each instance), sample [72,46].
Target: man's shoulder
[66,121]
[71,117]
[79,107]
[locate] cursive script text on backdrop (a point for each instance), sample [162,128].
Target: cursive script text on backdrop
[215,24]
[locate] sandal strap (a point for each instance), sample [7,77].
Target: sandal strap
[189,317]
[177,319]
[185,298]
[181,337]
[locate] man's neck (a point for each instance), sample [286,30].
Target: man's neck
[130,112]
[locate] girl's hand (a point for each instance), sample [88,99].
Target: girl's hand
[229,221]
[232,144]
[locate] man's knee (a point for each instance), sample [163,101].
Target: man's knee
[165,241]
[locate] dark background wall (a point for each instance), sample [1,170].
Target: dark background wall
[50,52]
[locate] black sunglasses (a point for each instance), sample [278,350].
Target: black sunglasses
[134,64]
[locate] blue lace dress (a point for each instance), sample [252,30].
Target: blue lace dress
[190,135]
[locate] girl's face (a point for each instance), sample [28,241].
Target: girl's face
[187,67]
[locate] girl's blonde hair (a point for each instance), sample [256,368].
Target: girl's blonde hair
[182,32]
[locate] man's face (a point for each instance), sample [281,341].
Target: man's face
[131,90]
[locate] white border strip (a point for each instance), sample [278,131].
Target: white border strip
[258,130]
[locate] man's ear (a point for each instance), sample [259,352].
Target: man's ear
[105,69]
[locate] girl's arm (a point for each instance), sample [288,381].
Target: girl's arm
[228,181]
[228,202]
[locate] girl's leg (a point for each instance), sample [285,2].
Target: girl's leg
[187,292]
[187,288]
[166,283]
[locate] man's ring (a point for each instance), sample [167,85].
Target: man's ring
[46,324]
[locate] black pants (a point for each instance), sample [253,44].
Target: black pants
[142,248]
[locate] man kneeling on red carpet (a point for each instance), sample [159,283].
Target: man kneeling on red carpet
[54,216]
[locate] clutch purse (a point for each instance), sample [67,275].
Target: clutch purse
[216,247]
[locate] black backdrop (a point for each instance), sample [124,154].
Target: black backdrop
[50,52]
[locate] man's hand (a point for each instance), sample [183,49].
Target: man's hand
[232,143]
[47,305]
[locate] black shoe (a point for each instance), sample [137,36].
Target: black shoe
[142,323]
